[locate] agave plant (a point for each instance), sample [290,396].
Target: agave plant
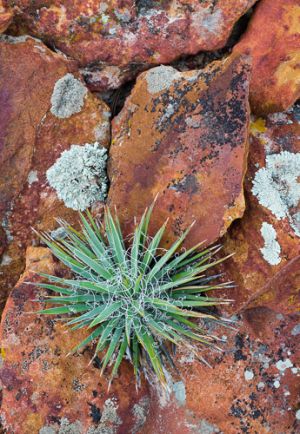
[136,299]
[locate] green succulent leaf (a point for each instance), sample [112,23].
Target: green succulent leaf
[132,297]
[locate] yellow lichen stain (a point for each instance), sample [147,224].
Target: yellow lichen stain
[2,353]
[254,280]
[33,423]
[268,297]
[258,126]
[292,19]
[292,300]
[289,71]
[239,248]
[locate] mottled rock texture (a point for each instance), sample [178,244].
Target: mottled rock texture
[43,390]
[252,387]
[115,39]
[32,137]
[183,136]
[273,40]
[5,17]
[266,264]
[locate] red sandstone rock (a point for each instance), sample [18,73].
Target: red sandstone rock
[250,388]
[33,135]
[183,136]
[273,40]
[43,390]
[266,242]
[116,38]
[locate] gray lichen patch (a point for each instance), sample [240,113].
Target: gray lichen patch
[79,176]
[282,365]
[296,330]
[5,260]
[207,22]
[32,177]
[271,250]
[16,39]
[66,427]
[160,78]
[68,96]
[277,186]
[206,427]
[179,392]
[110,420]
[109,412]
[140,412]
[102,131]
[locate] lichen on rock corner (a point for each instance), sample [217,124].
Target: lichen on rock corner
[160,78]
[79,176]
[277,188]
[68,96]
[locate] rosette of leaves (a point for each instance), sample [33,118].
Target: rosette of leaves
[137,300]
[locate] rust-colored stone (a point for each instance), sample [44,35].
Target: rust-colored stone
[183,136]
[31,140]
[115,39]
[266,264]
[42,388]
[250,388]
[5,17]
[273,40]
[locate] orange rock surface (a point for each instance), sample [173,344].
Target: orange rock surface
[31,140]
[273,40]
[43,390]
[183,136]
[250,388]
[266,242]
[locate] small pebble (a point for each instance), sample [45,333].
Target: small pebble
[248,375]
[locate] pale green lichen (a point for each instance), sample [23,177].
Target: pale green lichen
[271,250]
[140,411]
[161,78]
[277,186]
[66,427]
[179,392]
[67,97]
[32,177]
[79,176]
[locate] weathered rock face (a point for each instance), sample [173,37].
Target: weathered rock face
[5,17]
[43,390]
[116,38]
[250,388]
[266,264]
[273,40]
[183,136]
[44,109]
[252,384]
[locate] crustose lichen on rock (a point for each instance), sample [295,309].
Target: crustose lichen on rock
[79,175]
